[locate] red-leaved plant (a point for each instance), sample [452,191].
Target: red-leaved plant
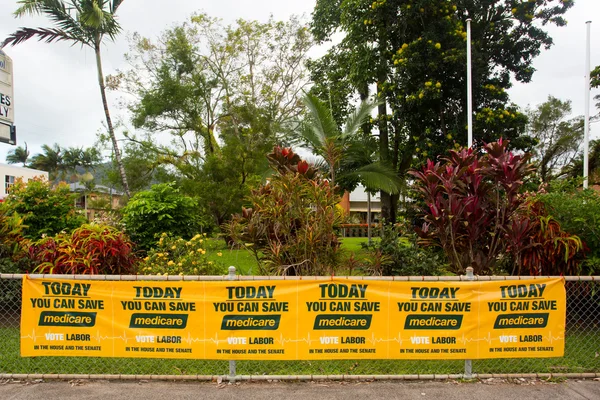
[538,245]
[90,249]
[291,225]
[474,211]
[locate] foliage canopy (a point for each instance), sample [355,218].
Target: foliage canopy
[413,53]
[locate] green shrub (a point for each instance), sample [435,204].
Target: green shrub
[578,212]
[89,249]
[161,209]
[402,256]
[176,256]
[13,246]
[46,210]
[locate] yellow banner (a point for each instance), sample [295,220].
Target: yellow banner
[293,320]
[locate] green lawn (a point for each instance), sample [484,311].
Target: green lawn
[354,244]
[245,262]
[579,357]
[241,259]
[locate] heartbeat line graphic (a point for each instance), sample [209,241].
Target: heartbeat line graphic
[464,340]
[552,339]
[281,340]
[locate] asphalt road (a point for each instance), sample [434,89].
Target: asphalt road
[161,390]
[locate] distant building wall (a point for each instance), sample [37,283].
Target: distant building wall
[10,173]
[358,200]
[345,202]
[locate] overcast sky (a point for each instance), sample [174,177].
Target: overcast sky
[56,95]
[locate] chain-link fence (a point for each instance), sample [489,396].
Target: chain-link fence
[582,351]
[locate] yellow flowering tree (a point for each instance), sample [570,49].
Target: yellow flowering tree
[413,53]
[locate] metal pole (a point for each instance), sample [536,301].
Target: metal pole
[232,365]
[469,88]
[468,364]
[369,216]
[586,129]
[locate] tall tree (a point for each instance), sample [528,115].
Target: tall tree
[413,54]
[595,83]
[575,168]
[223,94]
[18,155]
[558,138]
[201,76]
[84,22]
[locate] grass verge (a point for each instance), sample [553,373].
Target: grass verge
[581,347]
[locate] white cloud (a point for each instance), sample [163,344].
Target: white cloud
[560,70]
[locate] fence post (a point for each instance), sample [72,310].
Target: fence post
[232,366]
[468,365]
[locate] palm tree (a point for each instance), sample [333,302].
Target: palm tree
[348,155]
[361,155]
[18,155]
[84,22]
[72,159]
[59,162]
[90,158]
[77,158]
[343,150]
[50,160]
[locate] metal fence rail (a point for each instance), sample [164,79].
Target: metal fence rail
[581,359]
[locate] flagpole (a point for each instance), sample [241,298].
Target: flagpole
[586,129]
[469,88]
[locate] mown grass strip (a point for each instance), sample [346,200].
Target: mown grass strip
[580,357]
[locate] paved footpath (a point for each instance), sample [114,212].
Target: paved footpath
[162,390]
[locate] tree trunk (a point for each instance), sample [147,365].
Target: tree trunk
[388,214]
[387,211]
[111,131]
[363,91]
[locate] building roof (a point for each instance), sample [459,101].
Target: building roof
[17,168]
